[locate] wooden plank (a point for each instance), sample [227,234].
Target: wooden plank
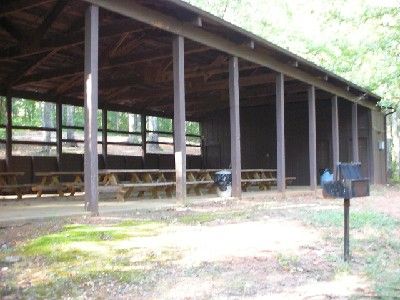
[49,19]
[63,41]
[12,173]
[143,133]
[11,29]
[104,134]
[312,137]
[335,133]
[235,126]
[18,5]
[91,104]
[58,173]
[9,128]
[280,131]
[179,116]
[59,129]
[198,34]
[354,132]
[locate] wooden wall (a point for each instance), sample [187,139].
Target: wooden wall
[258,138]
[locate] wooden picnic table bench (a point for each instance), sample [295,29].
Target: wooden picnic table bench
[152,180]
[51,181]
[9,182]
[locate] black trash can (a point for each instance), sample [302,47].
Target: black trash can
[223,180]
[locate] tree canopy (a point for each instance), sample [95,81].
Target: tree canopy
[358,39]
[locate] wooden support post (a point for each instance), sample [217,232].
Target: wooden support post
[91,104]
[143,132]
[335,133]
[104,137]
[280,132]
[312,137]
[179,117]
[9,129]
[354,132]
[59,129]
[235,126]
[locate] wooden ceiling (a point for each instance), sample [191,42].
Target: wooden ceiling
[41,56]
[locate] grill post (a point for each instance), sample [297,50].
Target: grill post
[346,238]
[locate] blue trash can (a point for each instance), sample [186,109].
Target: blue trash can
[326,176]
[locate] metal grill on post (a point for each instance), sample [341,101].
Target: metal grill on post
[348,184]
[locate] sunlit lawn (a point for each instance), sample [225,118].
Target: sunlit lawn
[82,258]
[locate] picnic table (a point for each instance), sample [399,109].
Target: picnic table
[8,181]
[156,180]
[152,180]
[51,181]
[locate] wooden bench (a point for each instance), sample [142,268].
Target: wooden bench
[51,182]
[8,183]
[125,190]
[262,183]
[17,189]
[199,184]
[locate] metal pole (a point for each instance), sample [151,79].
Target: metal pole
[346,238]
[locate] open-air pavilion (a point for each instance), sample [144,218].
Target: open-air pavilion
[258,106]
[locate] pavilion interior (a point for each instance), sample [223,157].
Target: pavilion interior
[42,58]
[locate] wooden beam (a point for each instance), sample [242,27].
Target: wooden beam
[235,127]
[9,128]
[179,117]
[104,138]
[113,63]
[335,133]
[354,132]
[199,34]
[11,29]
[59,130]
[91,104]
[26,68]
[17,5]
[312,137]
[280,132]
[48,20]
[143,131]
[67,40]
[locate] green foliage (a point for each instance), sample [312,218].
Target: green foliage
[33,113]
[359,40]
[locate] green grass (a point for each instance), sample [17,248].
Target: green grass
[358,219]
[65,261]
[207,217]
[288,261]
[75,242]
[371,240]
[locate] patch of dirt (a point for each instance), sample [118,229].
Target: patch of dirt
[264,252]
